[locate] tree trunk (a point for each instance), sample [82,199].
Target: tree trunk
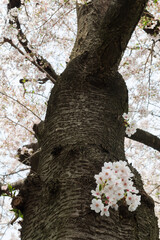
[83,129]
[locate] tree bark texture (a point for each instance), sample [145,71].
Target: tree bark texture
[84,128]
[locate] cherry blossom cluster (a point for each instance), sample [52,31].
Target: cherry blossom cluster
[114,186]
[26,150]
[130,125]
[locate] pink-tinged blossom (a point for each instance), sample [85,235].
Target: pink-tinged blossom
[118,184]
[129,198]
[105,211]
[99,178]
[96,205]
[125,172]
[114,184]
[96,193]
[119,194]
[4,187]
[128,132]
[108,175]
[115,206]
[125,116]
[134,190]
[135,203]
[131,126]
[108,189]
[107,165]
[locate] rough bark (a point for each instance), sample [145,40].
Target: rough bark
[84,128]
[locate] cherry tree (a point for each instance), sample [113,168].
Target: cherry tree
[63,102]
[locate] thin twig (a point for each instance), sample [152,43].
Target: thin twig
[154,189]
[29,58]
[53,14]
[17,123]
[13,220]
[37,94]
[21,104]
[21,170]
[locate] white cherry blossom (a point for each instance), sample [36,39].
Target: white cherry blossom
[114,184]
[96,205]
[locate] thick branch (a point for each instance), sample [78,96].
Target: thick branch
[106,36]
[146,138]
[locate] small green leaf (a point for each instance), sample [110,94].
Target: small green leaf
[20,214]
[5,195]
[17,212]
[13,210]
[10,187]
[100,187]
